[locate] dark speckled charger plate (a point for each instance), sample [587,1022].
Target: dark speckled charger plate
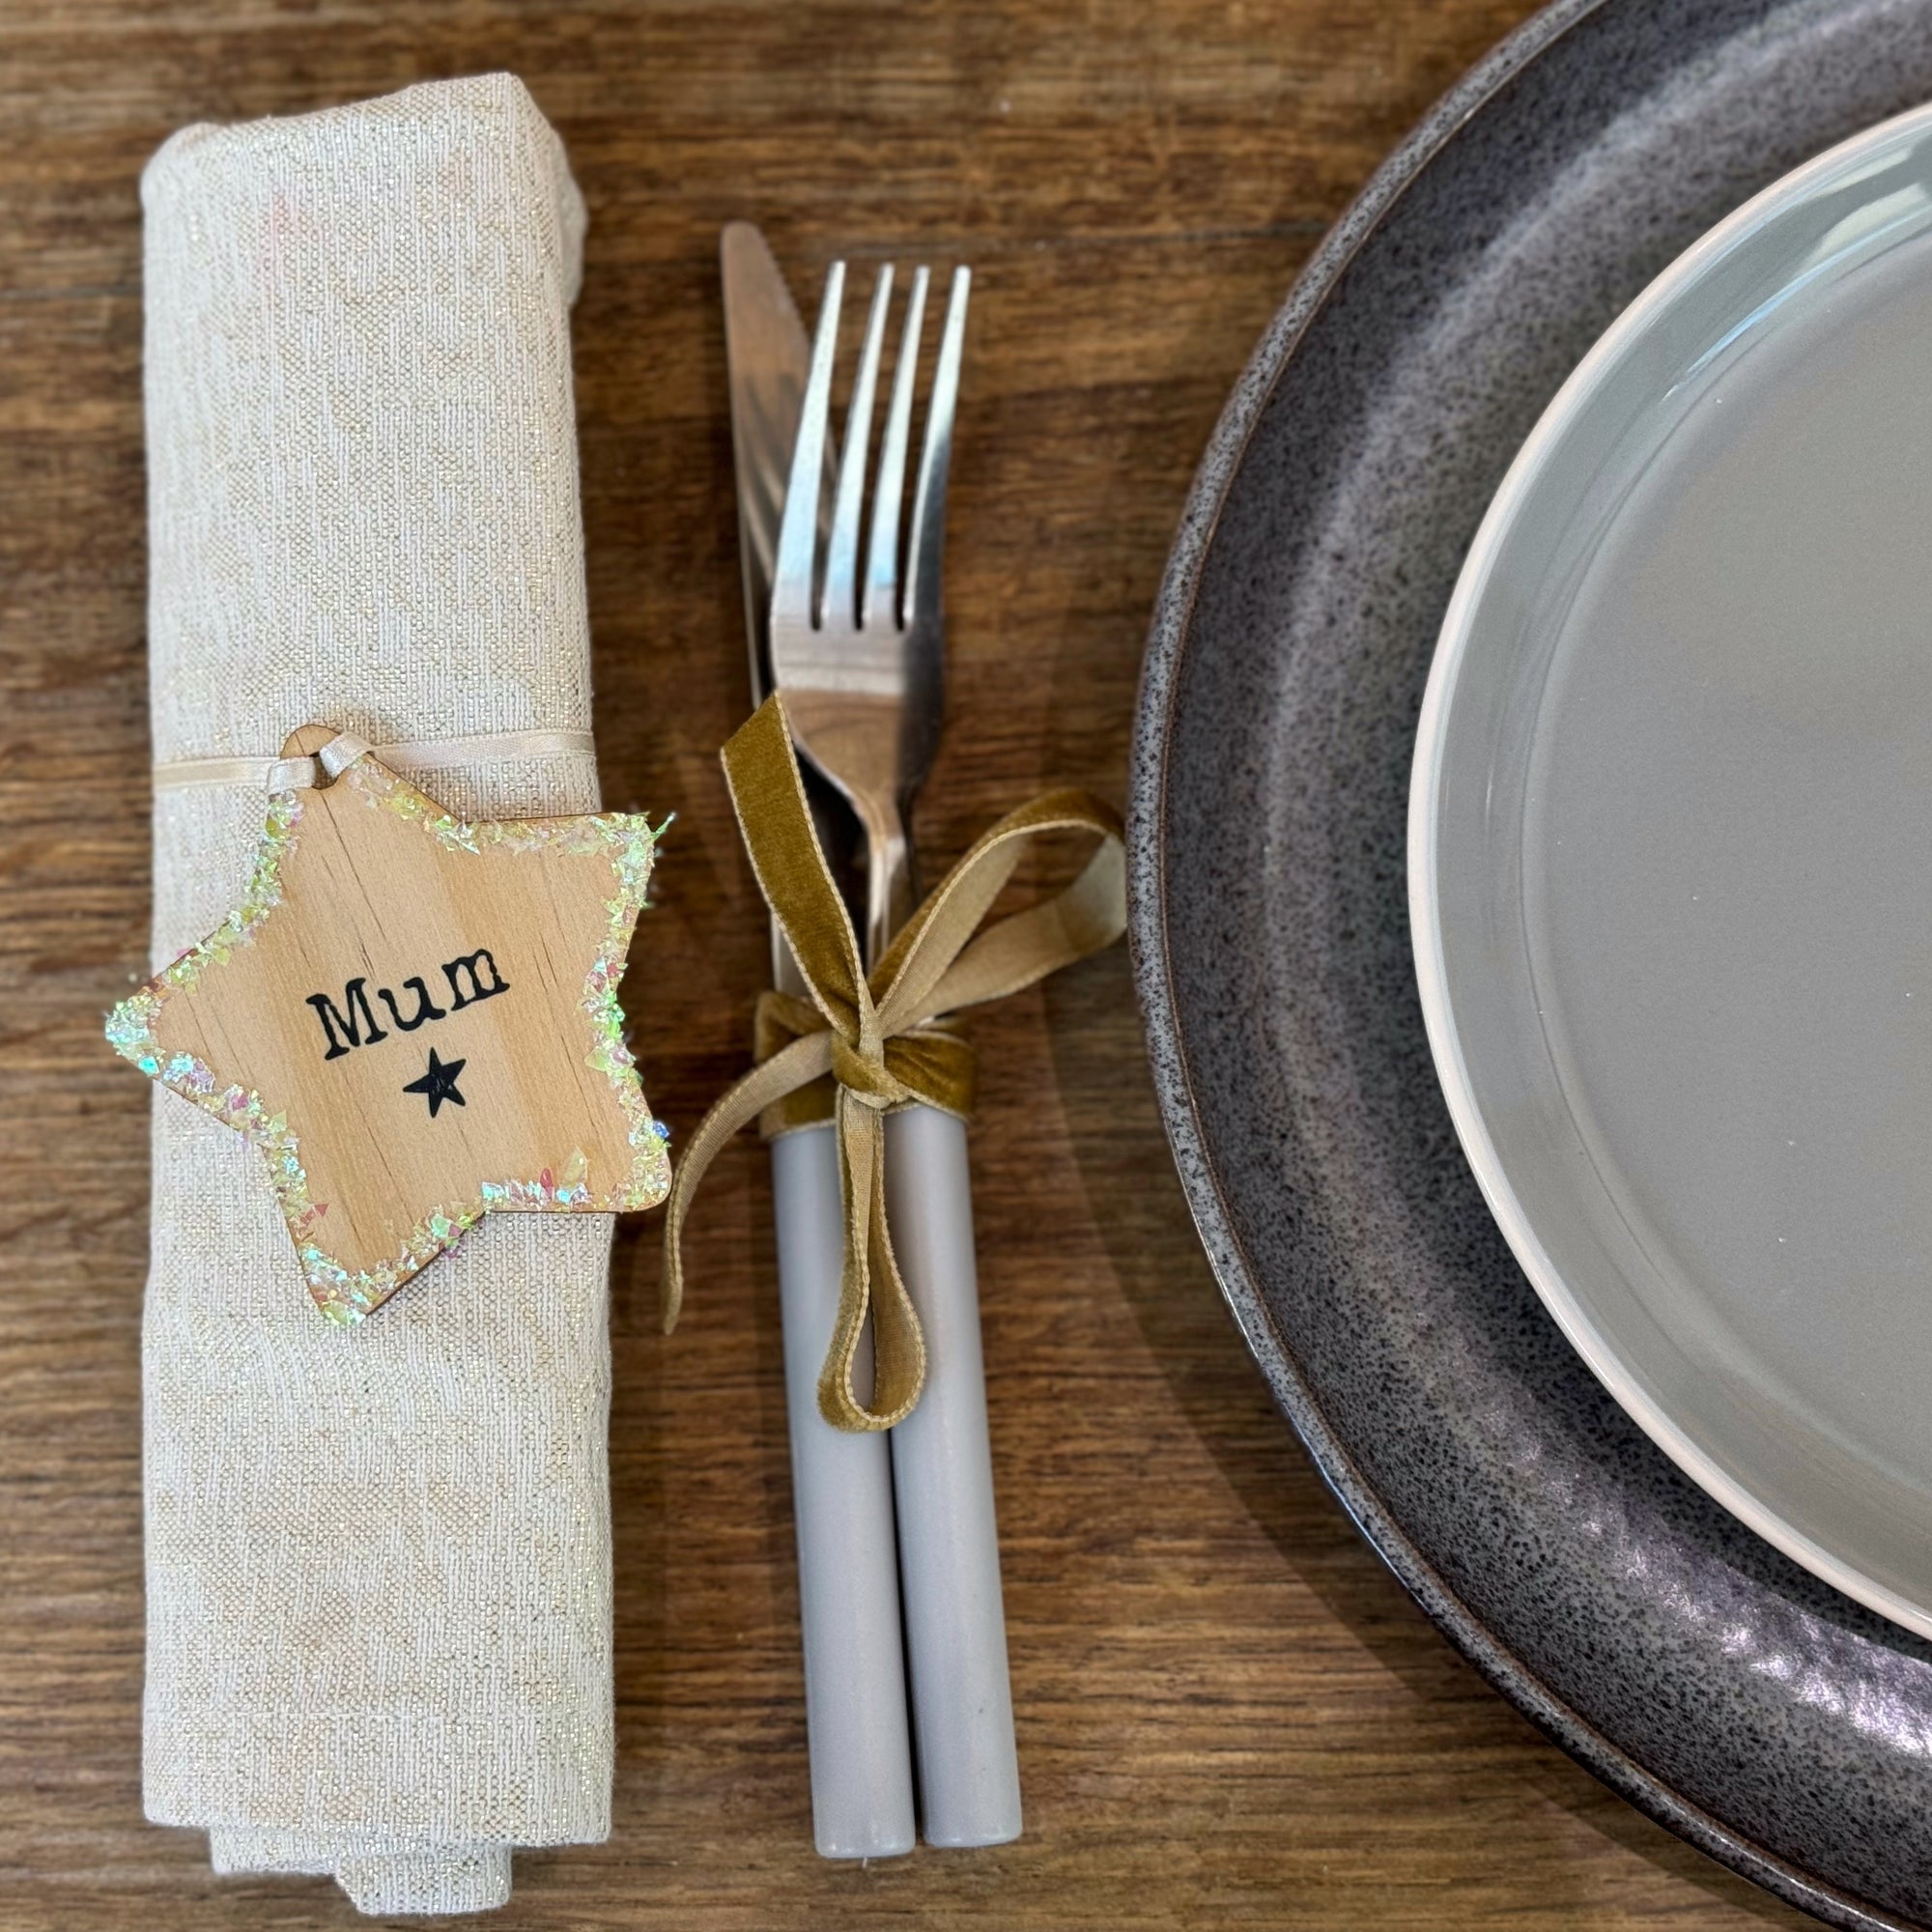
[1718,1687]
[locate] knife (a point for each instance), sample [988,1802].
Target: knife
[855,1693]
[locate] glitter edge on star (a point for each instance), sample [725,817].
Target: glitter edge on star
[343,1294]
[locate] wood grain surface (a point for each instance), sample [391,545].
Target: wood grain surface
[1229,1713]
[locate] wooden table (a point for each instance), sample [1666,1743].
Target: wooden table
[1229,1713]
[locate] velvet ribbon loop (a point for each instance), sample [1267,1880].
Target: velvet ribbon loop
[860,1046]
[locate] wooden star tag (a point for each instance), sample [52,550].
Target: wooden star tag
[415,1019]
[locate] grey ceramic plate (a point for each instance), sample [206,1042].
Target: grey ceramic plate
[1670,838]
[1721,1686]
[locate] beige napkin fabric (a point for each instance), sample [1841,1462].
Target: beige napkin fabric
[378,1571]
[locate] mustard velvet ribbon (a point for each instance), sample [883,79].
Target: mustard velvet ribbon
[882,1039]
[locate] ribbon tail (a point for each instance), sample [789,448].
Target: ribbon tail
[899,1346]
[800,1064]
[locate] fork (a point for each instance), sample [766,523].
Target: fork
[860,663]
[859,655]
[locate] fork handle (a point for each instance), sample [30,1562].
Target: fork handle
[943,1483]
[848,1586]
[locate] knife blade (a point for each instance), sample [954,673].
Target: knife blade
[766,356]
[856,1714]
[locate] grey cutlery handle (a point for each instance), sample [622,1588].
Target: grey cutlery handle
[848,1591]
[943,1482]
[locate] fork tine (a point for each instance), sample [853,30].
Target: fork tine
[840,601]
[882,564]
[792,570]
[928,511]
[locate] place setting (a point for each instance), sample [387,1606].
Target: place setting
[1520,861]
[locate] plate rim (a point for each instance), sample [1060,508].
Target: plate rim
[1165,651]
[1445,1044]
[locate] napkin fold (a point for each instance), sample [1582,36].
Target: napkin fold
[379,1569]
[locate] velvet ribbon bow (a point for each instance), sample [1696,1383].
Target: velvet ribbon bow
[882,1039]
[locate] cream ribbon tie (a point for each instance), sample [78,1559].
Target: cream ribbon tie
[412,755]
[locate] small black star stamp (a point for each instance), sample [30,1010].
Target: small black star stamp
[438,1083]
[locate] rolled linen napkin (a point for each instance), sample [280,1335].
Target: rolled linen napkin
[378,1570]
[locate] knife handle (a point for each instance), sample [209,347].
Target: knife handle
[848,1591]
[943,1485]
